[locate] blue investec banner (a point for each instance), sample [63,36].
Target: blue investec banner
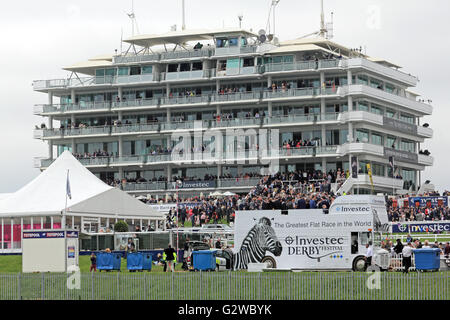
[420,227]
[435,201]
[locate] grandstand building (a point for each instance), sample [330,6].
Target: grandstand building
[117,113]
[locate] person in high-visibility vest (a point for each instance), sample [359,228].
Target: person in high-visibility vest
[170,257]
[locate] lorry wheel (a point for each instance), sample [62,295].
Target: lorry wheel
[270,262]
[359,264]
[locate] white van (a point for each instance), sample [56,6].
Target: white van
[312,239]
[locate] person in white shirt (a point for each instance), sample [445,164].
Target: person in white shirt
[426,245]
[407,253]
[369,254]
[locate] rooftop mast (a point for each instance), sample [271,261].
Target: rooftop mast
[183,24]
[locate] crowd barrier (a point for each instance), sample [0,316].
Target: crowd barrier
[227,286]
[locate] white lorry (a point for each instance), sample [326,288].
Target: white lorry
[312,239]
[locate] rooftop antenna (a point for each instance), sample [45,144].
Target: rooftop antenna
[240,17]
[274,4]
[323,30]
[132,16]
[183,24]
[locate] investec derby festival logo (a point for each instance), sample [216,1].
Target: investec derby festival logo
[315,248]
[402,227]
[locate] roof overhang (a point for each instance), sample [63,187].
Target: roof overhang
[89,67]
[179,37]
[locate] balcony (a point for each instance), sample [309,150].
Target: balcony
[191,185]
[235,50]
[238,97]
[229,72]
[76,132]
[355,148]
[425,132]
[364,90]
[131,129]
[187,54]
[184,75]
[361,63]
[289,94]
[425,160]
[134,79]
[186,100]
[136,104]
[294,66]
[136,58]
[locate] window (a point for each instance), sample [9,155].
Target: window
[147,69]
[124,71]
[407,118]
[389,88]
[376,84]
[406,145]
[363,106]
[185,67]
[234,42]
[377,169]
[390,142]
[222,65]
[172,68]
[377,139]
[376,109]
[361,79]
[221,43]
[390,113]
[362,135]
[248,62]
[100,72]
[288,59]
[232,64]
[135,71]
[111,72]
[197,66]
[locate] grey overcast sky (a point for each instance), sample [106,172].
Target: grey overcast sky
[40,37]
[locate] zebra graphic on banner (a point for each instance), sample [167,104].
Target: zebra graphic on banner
[261,238]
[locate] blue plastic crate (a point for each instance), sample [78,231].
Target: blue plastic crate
[427,259]
[135,261]
[204,260]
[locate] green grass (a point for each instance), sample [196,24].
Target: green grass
[13,264]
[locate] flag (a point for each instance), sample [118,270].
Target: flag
[68,192]
[369,171]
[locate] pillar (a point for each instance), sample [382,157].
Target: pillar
[350,103]
[120,116]
[218,109]
[169,173]
[121,176]
[32,224]
[350,132]
[50,98]
[120,146]
[73,96]
[322,79]
[169,115]
[74,146]
[324,135]
[270,108]
[349,77]
[73,222]
[50,149]
[323,107]
[120,93]
[50,122]
[269,81]
[51,223]
[42,223]
[217,85]
[167,90]
[324,165]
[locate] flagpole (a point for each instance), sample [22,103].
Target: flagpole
[65,207]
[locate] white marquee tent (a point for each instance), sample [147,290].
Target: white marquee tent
[91,200]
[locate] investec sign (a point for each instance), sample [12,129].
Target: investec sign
[353,209]
[420,227]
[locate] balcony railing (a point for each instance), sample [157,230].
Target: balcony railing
[185,100]
[235,50]
[136,103]
[187,54]
[238,96]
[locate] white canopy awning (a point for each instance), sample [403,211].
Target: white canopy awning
[46,195]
